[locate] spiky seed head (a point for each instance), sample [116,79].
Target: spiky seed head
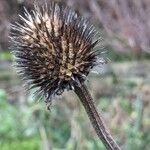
[53,47]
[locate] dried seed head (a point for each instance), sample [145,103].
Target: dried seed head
[53,48]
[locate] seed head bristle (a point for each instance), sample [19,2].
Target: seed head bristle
[54,48]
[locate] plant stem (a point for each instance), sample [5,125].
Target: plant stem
[95,118]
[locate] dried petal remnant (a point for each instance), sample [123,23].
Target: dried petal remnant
[53,48]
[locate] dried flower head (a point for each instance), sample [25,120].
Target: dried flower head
[53,47]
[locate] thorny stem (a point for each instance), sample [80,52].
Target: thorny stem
[96,120]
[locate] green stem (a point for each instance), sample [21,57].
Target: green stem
[95,118]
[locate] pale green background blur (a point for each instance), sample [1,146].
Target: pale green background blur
[121,92]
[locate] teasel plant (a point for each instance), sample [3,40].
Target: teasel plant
[55,50]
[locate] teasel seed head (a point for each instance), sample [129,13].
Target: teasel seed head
[54,49]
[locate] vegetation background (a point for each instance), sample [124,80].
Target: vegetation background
[121,92]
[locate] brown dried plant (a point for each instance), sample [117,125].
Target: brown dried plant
[54,51]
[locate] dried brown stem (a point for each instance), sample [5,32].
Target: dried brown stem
[95,118]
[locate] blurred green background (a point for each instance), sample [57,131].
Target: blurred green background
[121,92]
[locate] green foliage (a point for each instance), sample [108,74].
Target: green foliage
[121,56]
[2,97]
[28,125]
[104,104]
[20,131]
[26,144]
[125,105]
[6,55]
